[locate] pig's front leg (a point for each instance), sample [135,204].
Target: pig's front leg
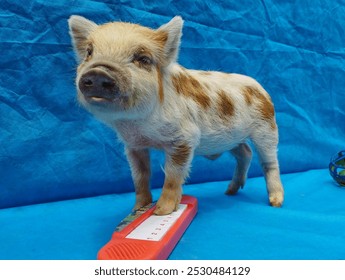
[139,161]
[176,169]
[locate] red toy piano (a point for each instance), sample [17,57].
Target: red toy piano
[145,236]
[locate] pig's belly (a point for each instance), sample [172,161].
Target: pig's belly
[212,144]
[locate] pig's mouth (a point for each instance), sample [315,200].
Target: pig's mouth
[98,99]
[118,101]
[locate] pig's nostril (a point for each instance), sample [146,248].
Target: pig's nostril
[88,83]
[108,84]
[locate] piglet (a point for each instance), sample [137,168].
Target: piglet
[128,77]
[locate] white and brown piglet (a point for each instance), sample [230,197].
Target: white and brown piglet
[128,78]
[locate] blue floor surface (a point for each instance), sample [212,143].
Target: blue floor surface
[310,225]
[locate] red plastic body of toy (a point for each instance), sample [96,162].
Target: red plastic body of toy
[123,247]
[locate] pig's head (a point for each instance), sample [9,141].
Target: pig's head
[122,65]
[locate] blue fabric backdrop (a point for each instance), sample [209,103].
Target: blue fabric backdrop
[52,150]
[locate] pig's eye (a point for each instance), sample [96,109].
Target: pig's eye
[89,51]
[143,61]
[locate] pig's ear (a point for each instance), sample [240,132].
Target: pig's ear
[173,29]
[80,29]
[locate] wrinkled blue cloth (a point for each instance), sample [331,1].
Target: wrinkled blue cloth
[52,150]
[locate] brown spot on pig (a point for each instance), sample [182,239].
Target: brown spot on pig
[249,92]
[160,84]
[265,105]
[225,104]
[188,86]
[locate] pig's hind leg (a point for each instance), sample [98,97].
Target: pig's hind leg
[243,156]
[265,140]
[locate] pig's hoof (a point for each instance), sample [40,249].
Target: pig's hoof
[233,188]
[142,201]
[276,200]
[165,207]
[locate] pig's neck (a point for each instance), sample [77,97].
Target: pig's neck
[140,134]
[168,122]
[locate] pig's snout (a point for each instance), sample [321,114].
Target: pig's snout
[97,83]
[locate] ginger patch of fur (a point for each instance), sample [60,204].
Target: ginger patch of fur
[160,84]
[188,86]
[265,105]
[225,104]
